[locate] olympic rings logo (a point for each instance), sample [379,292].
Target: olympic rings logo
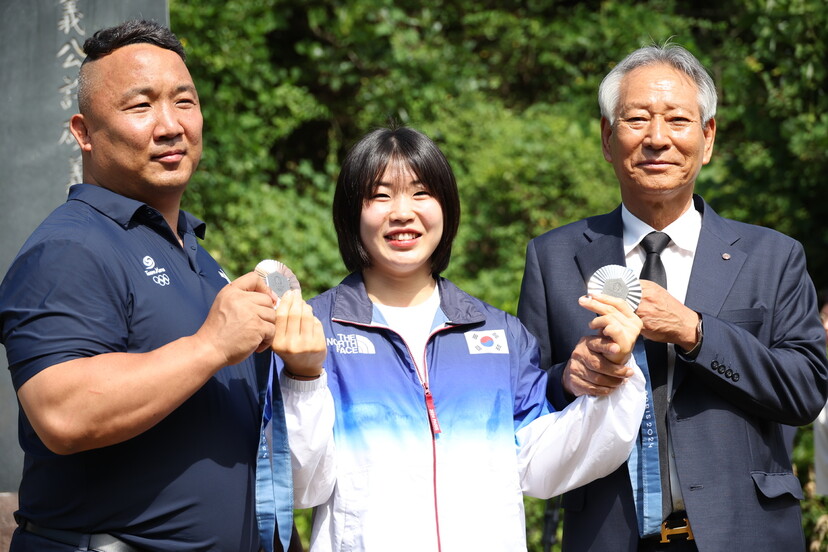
[161,280]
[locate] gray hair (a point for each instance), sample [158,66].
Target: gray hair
[668,54]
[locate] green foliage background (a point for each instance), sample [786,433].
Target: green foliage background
[508,91]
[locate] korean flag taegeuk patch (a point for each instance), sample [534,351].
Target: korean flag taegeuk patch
[482,342]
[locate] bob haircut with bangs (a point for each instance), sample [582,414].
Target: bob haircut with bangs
[361,171]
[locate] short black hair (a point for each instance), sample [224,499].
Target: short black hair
[134,31]
[361,171]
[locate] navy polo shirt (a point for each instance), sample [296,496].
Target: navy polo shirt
[102,274]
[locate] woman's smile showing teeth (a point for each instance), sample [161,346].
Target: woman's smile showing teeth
[402,238]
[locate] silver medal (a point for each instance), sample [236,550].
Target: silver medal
[617,281]
[278,277]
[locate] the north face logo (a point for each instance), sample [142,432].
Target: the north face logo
[349,344]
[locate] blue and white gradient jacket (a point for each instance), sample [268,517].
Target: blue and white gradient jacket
[364,451]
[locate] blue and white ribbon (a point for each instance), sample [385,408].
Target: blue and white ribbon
[274,479]
[643,462]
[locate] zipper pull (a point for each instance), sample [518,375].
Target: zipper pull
[432,412]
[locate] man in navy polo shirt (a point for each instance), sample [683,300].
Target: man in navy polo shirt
[129,348]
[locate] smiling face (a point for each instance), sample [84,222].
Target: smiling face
[401,225]
[141,135]
[658,143]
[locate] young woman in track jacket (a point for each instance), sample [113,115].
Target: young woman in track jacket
[417,414]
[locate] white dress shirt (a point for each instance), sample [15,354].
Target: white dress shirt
[677,258]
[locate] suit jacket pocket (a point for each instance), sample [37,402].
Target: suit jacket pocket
[774,485]
[749,319]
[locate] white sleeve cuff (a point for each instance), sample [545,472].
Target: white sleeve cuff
[303,386]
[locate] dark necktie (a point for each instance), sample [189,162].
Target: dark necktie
[653,270]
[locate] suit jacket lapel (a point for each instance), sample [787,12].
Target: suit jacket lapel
[605,244]
[715,268]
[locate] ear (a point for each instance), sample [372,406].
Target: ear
[78,128]
[709,137]
[606,134]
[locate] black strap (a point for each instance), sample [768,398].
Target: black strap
[82,542]
[65,537]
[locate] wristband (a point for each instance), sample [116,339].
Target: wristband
[298,377]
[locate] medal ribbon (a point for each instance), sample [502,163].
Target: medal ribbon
[643,462]
[274,479]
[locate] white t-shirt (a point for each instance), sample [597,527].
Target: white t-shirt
[414,325]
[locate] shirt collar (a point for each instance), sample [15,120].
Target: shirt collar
[684,231]
[123,210]
[351,303]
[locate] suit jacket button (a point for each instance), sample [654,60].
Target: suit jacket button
[728,373]
[735,377]
[722,368]
[714,365]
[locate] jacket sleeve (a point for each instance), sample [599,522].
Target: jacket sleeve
[769,360]
[533,313]
[587,440]
[309,416]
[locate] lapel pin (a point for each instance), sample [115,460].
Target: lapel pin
[726,256]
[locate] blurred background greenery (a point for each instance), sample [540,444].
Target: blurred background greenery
[508,91]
